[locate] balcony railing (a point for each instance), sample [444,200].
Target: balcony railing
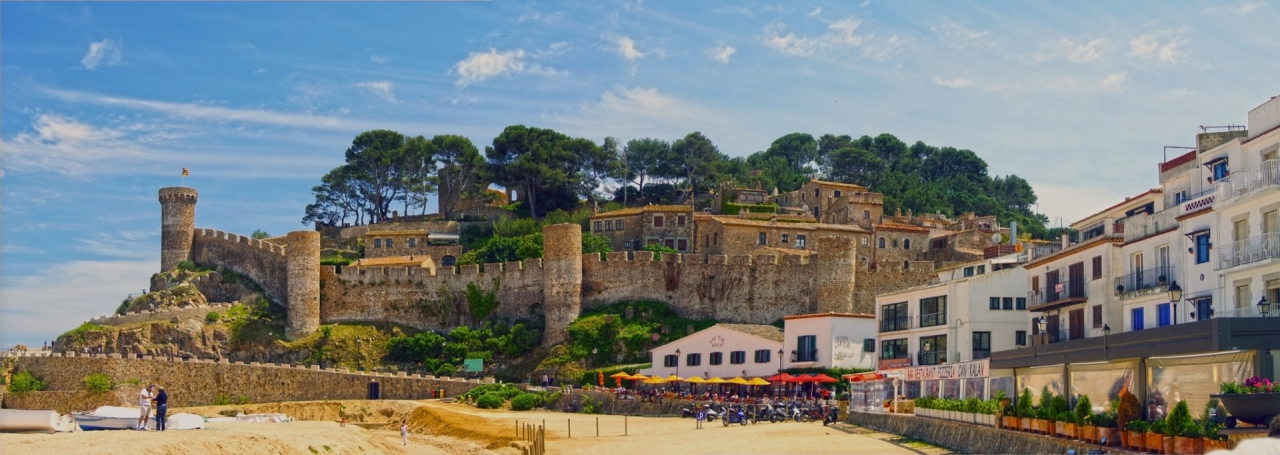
[897,323]
[932,319]
[1066,289]
[810,355]
[981,354]
[1243,182]
[1250,311]
[1145,279]
[931,358]
[1250,250]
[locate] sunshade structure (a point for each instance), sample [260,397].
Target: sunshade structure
[757,381]
[695,380]
[824,379]
[638,377]
[620,375]
[861,377]
[673,378]
[716,380]
[655,380]
[801,379]
[739,381]
[781,377]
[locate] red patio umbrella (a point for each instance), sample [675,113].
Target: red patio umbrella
[801,379]
[824,379]
[781,377]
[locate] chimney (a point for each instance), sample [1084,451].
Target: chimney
[1066,240]
[1013,232]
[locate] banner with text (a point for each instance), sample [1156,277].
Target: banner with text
[964,370]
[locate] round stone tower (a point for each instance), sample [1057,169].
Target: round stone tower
[302,257]
[177,225]
[837,265]
[562,279]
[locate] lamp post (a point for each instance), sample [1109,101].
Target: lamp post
[677,361]
[1175,296]
[1264,307]
[1106,332]
[780,353]
[1042,324]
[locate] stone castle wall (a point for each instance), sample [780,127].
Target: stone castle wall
[199,312]
[198,383]
[888,277]
[264,262]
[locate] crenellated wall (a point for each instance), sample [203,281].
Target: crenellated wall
[264,262]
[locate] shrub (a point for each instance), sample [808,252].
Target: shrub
[1158,426]
[212,317]
[1084,411]
[526,401]
[1104,419]
[187,266]
[97,383]
[446,370]
[1193,430]
[1066,416]
[24,382]
[222,400]
[589,405]
[1140,426]
[1178,419]
[659,249]
[1130,408]
[490,401]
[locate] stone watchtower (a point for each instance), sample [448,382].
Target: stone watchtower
[837,265]
[562,279]
[177,225]
[302,258]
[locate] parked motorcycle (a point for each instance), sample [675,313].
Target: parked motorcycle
[737,416]
[688,411]
[832,415]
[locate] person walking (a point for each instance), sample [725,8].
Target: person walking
[162,407]
[144,402]
[404,432]
[546,380]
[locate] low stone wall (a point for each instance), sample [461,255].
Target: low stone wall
[198,383]
[197,312]
[967,438]
[73,401]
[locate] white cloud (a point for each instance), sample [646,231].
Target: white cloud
[639,112]
[479,66]
[379,59]
[380,89]
[106,51]
[1242,9]
[626,47]
[64,145]
[952,33]
[1155,47]
[959,82]
[216,113]
[1075,51]
[57,298]
[815,12]
[840,36]
[556,49]
[721,53]
[1115,81]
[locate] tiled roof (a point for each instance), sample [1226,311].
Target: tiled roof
[404,232]
[1126,201]
[767,332]
[892,226]
[830,315]
[1264,133]
[1185,158]
[645,209]
[415,260]
[804,226]
[841,185]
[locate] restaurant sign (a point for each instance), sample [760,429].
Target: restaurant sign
[964,370]
[891,364]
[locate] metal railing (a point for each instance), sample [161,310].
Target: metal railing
[1250,250]
[1145,279]
[1046,249]
[1250,311]
[932,319]
[1243,182]
[931,358]
[1065,289]
[810,355]
[981,354]
[897,323]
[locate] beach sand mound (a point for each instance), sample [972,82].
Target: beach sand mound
[436,419]
[219,438]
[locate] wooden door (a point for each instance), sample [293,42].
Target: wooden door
[1075,280]
[1076,328]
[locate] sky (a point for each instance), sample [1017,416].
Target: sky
[102,104]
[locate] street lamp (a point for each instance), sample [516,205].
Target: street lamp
[1106,332]
[1043,324]
[1175,296]
[677,361]
[1264,307]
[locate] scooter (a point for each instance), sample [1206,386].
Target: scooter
[832,415]
[686,412]
[734,416]
[712,414]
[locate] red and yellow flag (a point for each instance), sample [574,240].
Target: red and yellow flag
[185,172]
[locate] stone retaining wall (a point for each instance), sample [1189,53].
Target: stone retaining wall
[198,312]
[968,438]
[198,383]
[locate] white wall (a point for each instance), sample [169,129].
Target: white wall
[838,340]
[716,339]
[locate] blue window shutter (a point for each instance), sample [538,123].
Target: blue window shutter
[1138,319]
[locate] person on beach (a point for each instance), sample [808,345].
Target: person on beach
[162,407]
[404,431]
[144,402]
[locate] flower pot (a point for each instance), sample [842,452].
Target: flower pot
[1012,423]
[1042,426]
[1188,446]
[1152,442]
[1111,436]
[1089,433]
[1214,444]
[1166,444]
[1254,408]
[1058,427]
[1068,430]
[1024,423]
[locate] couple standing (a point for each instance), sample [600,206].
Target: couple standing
[150,395]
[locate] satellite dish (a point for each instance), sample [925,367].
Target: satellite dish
[995,238]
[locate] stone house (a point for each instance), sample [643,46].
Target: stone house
[423,261]
[443,248]
[737,235]
[898,242]
[632,228]
[833,202]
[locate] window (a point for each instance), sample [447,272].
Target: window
[1244,296]
[837,193]
[1021,303]
[933,350]
[906,244]
[881,242]
[995,304]
[933,311]
[738,357]
[657,221]
[817,192]
[906,265]
[413,242]
[693,360]
[864,241]
[763,239]
[981,269]
[715,358]
[377,243]
[968,271]
[762,355]
[706,241]
[784,238]
[1097,316]
[800,241]
[715,238]
[981,345]
[894,349]
[894,317]
[1008,303]
[807,348]
[1162,315]
[895,243]
[682,244]
[390,243]
[1097,267]
[868,345]
[1138,318]
[597,226]
[1202,248]
[670,360]
[1220,170]
[866,214]
[670,243]
[1240,230]
[1020,338]
[680,220]
[618,225]
[608,225]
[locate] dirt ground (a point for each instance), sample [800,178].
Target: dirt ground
[457,429]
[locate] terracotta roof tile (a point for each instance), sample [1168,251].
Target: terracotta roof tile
[645,209]
[767,332]
[892,226]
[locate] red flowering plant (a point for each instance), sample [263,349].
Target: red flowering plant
[1251,385]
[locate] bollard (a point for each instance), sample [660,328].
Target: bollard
[624,426]
[569,425]
[597,427]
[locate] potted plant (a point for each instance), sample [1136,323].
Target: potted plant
[1176,424]
[1042,422]
[1192,439]
[1157,440]
[1161,279]
[1108,433]
[1067,425]
[1213,440]
[1119,289]
[1084,413]
[1137,433]
[1254,402]
[1025,411]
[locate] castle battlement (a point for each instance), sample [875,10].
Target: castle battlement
[250,242]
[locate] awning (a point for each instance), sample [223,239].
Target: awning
[440,236]
[860,377]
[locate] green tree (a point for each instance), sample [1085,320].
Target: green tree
[644,159]
[461,171]
[697,158]
[798,149]
[260,234]
[375,161]
[536,161]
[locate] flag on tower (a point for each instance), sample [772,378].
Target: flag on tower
[185,172]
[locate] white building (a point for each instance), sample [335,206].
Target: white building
[976,308]
[723,350]
[830,340]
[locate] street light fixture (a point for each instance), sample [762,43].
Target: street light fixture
[1264,307]
[1175,296]
[677,361]
[1106,332]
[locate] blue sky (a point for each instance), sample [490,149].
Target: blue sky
[102,103]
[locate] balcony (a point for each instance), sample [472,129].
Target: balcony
[1052,296]
[808,355]
[931,358]
[1250,311]
[1253,249]
[932,319]
[897,324]
[1243,183]
[1145,282]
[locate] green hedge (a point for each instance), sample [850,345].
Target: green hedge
[490,401]
[526,401]
[24,381]
[97,383]
[729,208]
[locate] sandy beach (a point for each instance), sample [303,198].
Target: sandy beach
[451,428]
